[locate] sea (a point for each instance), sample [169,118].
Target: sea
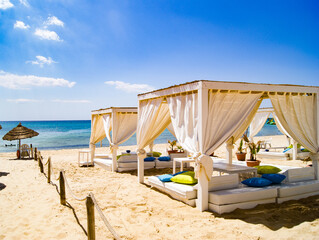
[56,135]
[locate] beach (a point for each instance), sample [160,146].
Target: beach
[30,207]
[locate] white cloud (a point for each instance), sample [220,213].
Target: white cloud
[14,81]
[5,4]
[42,60]
[21,25]
[129,87]
[25,3]
[70,101]
[54,21]
[46,34]
[22,100]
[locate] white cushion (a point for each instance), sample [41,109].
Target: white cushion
[223,182]
[299,174]
[242,194]
[128,158]
[296,188]
[273,155]
[185,191]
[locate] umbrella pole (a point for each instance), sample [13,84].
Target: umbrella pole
[20,148]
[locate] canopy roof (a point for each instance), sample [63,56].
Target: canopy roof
[20,132]
[236,86]
[103,111]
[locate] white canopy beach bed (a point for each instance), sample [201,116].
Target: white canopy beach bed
[121,121]
[206,114]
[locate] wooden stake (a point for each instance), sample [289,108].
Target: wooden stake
[49,170]
[35,154]
[41,164]
[62,189]
[90,218]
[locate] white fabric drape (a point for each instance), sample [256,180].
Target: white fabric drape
[227,111]
[97,129]
[125,127]
[153,118]
[279,125]
[296,113]
[257,123]
[170,128]
[184,115]
[107,123]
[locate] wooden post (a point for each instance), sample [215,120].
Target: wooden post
[49,170]
[62,189]
[41,164]
[90,218]
[35,154]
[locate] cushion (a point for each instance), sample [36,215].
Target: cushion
[149,159]
[157,154]
[185,178]
[165,177]
[167,158]
[223,182]
[267,169]
[274,177]
[256,182]
[300,174]
[297,188]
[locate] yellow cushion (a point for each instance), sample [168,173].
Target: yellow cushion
[185,178]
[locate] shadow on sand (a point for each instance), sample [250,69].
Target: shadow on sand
[2,186]
[4,174]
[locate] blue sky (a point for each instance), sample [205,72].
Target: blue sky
[61,59]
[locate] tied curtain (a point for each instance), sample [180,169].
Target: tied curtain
[97,129]
[227,112]
[153,118]
[296,113]
[257,123]
[107,123]
[279,125]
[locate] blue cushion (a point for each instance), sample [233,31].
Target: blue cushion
[166,158]
[149,159]
[256,182]
[165,177]
[274,177]
[179,173]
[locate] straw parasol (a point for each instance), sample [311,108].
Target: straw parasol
[0,127]
[18,133]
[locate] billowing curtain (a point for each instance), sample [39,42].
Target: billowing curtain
[227,112]
[257,123]
[279,125]
[184,115]
[124,128]
[97,129]
[296,113]
[153,118]
[107,123]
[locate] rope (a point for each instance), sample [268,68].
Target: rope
[106,222]
[70,191]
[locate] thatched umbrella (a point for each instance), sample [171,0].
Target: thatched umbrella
[0,127]
[18,133]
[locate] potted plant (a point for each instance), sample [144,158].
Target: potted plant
[254,149]
[241,156]
[180,149]
[172,144]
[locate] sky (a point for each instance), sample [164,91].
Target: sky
[60,59]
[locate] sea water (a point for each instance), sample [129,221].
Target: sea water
[76,134]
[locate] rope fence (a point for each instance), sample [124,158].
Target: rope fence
[90,200]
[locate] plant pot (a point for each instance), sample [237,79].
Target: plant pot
[241,156]
[171,151]
[252,163]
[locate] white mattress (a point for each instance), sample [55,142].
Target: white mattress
[123,166]
[296,188]
[242,194]
[278,155]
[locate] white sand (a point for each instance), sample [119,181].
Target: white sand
[30,207]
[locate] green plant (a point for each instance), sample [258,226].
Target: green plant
[172,144]
[241,146]
[253,147]
[180,148]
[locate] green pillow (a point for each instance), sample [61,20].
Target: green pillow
[185,178]
[157,154]
[267,169]
[125,154]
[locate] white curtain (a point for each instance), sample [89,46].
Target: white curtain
[257,123]
[107,123]
[125,127]
[170,128]
[296,113]
[97,129]
[279,125]
[227,111]
[153,118]
[184,115]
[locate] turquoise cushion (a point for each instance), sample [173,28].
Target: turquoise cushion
[267,169]
[274,177]
[185,178]
[149,159]
[256,182]
[166,158]
[165,177]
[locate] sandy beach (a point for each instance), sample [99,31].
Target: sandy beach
[30,207]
